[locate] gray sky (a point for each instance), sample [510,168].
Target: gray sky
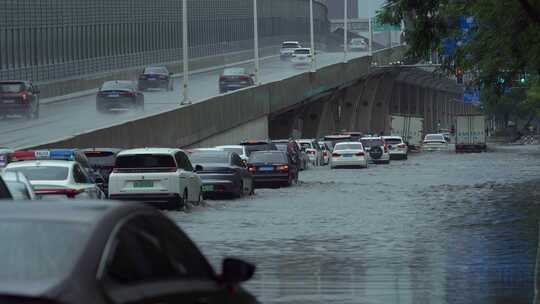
[367,8]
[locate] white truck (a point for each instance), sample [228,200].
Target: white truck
[409,127]
[470,133]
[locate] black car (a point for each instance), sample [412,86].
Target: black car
[101,160]
[272,168]
[19,97]
[223,173]
[258,145]
[107,252]
[292,148]
[235,78]
[156,78]
[119,95]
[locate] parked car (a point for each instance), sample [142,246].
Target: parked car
[108,252]
[102,160]
[234,79]
[358,44]
[19,186]
[434,142]
[377,149]
[157,77]
[238,149]
[162,177]
[272,168]
[119,95]
[19,97]
[349,154]
[313,151]
[302,57]
[398,148]
[294,151]
[287,49]
[223,173]
[58,178]
[258,145]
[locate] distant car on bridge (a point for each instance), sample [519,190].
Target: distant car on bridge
[358,44]
[234,79]
[119,95]
[157,77]
[287,49]
[19,97]
[302,57]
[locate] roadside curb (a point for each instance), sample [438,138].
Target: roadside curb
[62,98]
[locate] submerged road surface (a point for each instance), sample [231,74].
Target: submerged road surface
[438,228]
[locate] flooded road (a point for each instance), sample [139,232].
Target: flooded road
[438,228]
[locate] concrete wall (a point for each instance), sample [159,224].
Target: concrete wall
[255,129]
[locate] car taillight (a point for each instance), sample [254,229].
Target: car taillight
[283,168]
[336,154]
[70,193]
[127,94]
[252,168]
[24,96]
[243,78]
[401,146]
[102,94]
[325,153]
[311,152]
[222,78]
[360,154]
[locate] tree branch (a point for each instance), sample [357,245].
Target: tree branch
[532,12]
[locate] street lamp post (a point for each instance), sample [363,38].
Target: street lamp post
[185,55]
[345,32]
[256,42]
[312,32]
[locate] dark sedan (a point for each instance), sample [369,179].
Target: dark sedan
[101,160]
[119,95]
[19,98]
[107,252]
[235,78]
[156,78]
[223,173]
[272,168]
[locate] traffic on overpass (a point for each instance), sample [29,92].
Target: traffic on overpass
[267,151]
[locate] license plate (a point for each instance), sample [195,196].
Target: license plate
[347,155]
[8,101]
[208,188]
[266,169]
[114,95]
[143,184]
[42,154]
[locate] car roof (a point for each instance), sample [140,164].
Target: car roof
[231,146]
[372,137]
[169,151]
[284,42]
[34,163]
[393,137]
[302,49]
[114,150]
[306,140]
[234,71]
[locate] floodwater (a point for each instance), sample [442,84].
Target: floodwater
[438,228]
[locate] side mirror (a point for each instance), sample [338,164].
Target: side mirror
[198,168]
[236,271]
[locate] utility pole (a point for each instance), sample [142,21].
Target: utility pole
[185,55]
[256,42]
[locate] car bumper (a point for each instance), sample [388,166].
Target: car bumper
[398,153]
[232,87]
[219,186]
[159,200]
[115,103]
[435,148]
[362,162]
[153,84]
[259,179]
[14,108]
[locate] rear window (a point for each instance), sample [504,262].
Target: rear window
[156,70]
[99,159]
[235,71]
[32,250]
[209,157]
[350,146]
[435,137]
[42,173]
[393,141]
[117,85]
[145,161]
[268,157]
[306,145]
[15,87]
[290,45]
[282,147]
[372,142]
[302,52]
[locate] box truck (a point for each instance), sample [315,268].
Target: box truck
[470,133]
[409,127]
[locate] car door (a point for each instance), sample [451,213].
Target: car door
[152,261]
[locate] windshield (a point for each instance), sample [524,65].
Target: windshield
[101,159]
[268,157]
[306,145]
[234,72]
[258,147]
[42,173]
[393,141]
[302,52]
[372,142]
[11,87]
[238,151]
[156,70]
[39,250]
[145,161]
[350,146]
[210,157]
[290,45]
[117,85]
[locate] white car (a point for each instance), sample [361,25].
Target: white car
[349,154]
[396,145]
[376,149]
[434,142]
[238,149]
[313,151]
[358,44]
[57,178]
[287,49]
[159,176]
[302,57]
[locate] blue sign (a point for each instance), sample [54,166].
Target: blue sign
[466,25]
[471,95]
